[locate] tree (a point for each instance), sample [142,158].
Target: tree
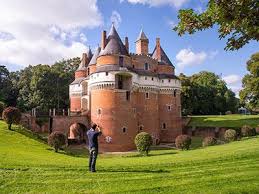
[2,106]
[11,115]
[57,140]
[237,19]
[205,93]
[143,141]
[249,95]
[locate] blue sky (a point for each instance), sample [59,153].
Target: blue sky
[66,28]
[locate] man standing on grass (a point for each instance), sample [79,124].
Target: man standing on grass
[92,135]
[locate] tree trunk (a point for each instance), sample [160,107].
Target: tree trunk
[10,126]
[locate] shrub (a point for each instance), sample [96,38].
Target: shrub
[248,131]
[230,135]
[257,129]
[228,112]
[209,141]
[2,107]
[57,140]
[11,115]
[183,142]
[143,142]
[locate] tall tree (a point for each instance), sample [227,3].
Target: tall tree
[237,19]
[250,92]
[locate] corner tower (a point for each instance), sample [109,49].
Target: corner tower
[142,44]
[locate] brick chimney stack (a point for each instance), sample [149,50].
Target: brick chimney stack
[103,43]
[158,49]
[127,43]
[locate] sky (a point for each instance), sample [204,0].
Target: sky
[41,32]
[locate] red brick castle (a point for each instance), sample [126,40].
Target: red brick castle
[126,93]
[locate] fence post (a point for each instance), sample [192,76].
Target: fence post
[54,112]
[49,112]
[68,112]
[63,112]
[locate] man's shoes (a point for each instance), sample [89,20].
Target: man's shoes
[93,170]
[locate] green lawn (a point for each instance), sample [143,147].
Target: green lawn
[29,166]
[224,121]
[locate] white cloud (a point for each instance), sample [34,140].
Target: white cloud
[232,79]
[116,19]
[171,23]
[234,82]
[156,3]
[186,57]
[45,31]
[83,38]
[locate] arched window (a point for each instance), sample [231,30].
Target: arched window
[124,129]
[141,127]
[175,93]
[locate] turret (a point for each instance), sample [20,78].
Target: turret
[142,44]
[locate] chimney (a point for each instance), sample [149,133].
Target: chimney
[158,49]
[84,59]
[103,43]
[127,43]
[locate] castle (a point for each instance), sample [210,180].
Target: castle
[128,93]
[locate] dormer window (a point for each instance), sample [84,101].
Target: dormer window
[146,67]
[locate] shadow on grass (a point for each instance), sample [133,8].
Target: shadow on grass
[133,171]
[151,154]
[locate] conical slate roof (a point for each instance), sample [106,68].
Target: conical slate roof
[94,58]
[114,44]
[89,54]
[83,64]
[164,57]
[142,36]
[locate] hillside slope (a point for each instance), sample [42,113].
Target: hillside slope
[27,166]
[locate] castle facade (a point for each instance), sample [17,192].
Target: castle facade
[127,93]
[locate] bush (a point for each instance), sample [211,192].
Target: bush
[11,115]
[183,142]
[230,135]
[2,107]
[228,112]
[257,129]
[248,131]
[143,142]
[57,140]
[209,141]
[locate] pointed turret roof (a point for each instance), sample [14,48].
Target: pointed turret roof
[114,44]
[95,56]
[164,57]
[83,64]
[89,53]
[142,36]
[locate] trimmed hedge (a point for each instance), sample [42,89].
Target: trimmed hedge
[57,140]
[230,135]
[183,142]
[209,141]
[248,131]
[143,141]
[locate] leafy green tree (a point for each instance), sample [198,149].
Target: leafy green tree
[237,19]
[249,95]
[11,115]
[205,93]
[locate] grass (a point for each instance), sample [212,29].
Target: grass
[29,166]
[224,121]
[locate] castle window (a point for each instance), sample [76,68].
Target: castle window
[99,111]
[169,80]
[88,71]
[128,95]
[174,93]
[120,61]
[141,127]
[169,108]
[152,79]
[147,95]
[164,126]
[106,73]
[162,81]
[133,66]
[145,78]
[124,129]
[146,67]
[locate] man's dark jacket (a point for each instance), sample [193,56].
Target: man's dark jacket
[93,138]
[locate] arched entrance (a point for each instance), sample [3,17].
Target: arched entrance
[77,134]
